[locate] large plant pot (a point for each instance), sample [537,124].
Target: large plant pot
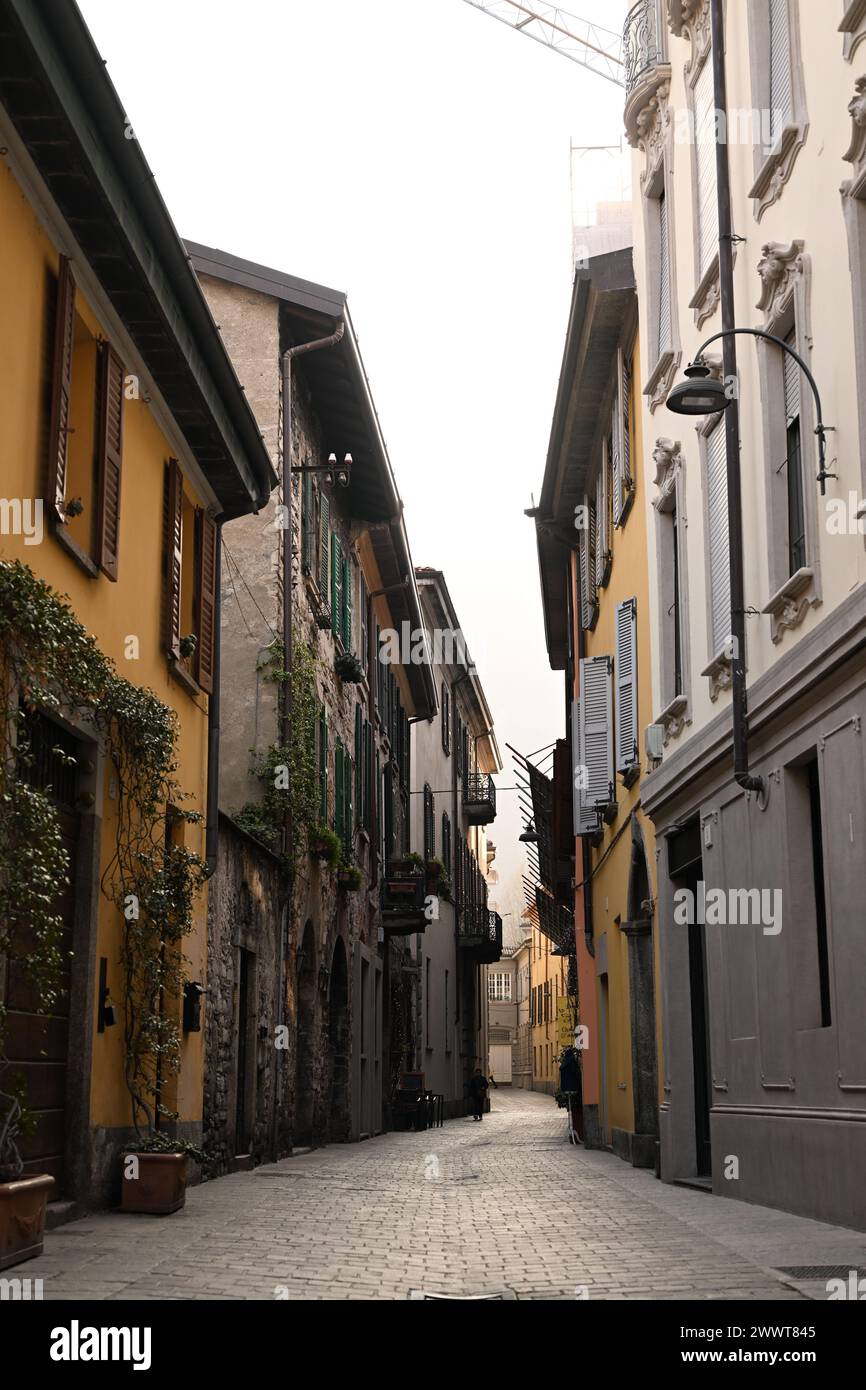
[22,1218]
[160,1187]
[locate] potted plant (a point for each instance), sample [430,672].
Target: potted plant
[350,877]
[22,1199]
[324,844]
[435,870]
[349,668]
[155,1174]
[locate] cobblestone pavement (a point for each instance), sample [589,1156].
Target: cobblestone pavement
[506,1205]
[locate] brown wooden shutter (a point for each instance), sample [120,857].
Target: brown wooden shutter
[108,461]
[172,530]
[61,390]
[205,599]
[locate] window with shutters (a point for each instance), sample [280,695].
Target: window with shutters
[445,718]
[716,541]
[620,437]
[625,667]
[705,194]
[85,435]
[595,735]
[663,352]
[673,635]
[189,599]
[586,562]
[429,823]
[779,118]
[446,842]
[790,452]
[603,492]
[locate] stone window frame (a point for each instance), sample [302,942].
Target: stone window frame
[786,276]
[853,193]
[707,296]
[656,179]
[772,168]
[853,26]
[718,667]
[670,509]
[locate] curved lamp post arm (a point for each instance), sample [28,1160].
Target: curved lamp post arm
[820,427]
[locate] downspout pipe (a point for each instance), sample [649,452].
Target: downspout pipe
[742,776]
[213,723]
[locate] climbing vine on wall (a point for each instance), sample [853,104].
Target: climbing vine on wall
[49,662]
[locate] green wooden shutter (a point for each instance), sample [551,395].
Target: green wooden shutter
[359,764]
[348,822]
[324,536]
[307,536]
[336,585]
[338,789]
[323,766]
[347,602]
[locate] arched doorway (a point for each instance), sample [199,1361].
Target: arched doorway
[338,1046]
[305,1050]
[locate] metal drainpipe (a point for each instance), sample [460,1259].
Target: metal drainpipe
[742,776]
[213,723]
[285,722]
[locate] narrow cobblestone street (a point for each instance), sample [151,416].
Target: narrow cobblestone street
[507,1205]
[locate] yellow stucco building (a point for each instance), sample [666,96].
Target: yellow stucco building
[126,441]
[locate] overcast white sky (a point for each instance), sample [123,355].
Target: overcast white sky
[414,153]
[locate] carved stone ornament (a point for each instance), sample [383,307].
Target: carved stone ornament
[651,130]
[856,151]
[668,459]
[789,606]
[719,673]
[661,379]
[674,718]
[692,19]
[853,26]
[780,267]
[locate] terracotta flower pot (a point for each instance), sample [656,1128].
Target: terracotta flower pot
[22,1218]
[159,1188]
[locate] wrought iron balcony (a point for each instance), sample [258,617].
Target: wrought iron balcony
[404,897]
[644,45]
[480,931]
[479,798]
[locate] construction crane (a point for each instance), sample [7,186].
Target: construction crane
[595,48]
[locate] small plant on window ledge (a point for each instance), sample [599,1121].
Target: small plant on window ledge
[324,844]
[74,507]
[188,646]
[348,667]
[435,870]
[350,877]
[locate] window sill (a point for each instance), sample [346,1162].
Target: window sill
[789,605]
[74,550]
[720,675]
[184,677]
[674,717]
[661,378]
[629,774]
[776,169]
[853,26]
[706,298]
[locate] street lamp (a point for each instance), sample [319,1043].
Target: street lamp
[702,394]
[530,835]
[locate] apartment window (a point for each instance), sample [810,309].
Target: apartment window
[341,592]
[778,97]
[189,599]
[547,1001]
[663,310]
[499,986]
[343,804]
[717,547]
[593,712]
[445,718]
[85,436]
[669,505]
[603,492]
[446,842]
[793,463]
[663,345]
[427,1036]
[620,437]
[316,535]
[706,197]
[586,563]
[627,756]
[429,823]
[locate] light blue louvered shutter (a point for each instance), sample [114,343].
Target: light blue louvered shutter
[780,99]
[616,466]
[705,151]
[596,729]
[624,381]
[585,818]
[626,684]
[718,547]
[664,311]
[602,543]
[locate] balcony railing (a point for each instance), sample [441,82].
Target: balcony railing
[480,931]
[479,798]
[644,45]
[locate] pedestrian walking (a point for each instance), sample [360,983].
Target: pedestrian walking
[478,1093]
[493,1083]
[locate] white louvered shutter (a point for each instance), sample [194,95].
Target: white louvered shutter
[626,684]
[664,315]
[586,560]
[616,469]
[585,818]
[596,729]
[780,96]
[717,540]
[791,372]
[602,543]
[624,380]
[705,148]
